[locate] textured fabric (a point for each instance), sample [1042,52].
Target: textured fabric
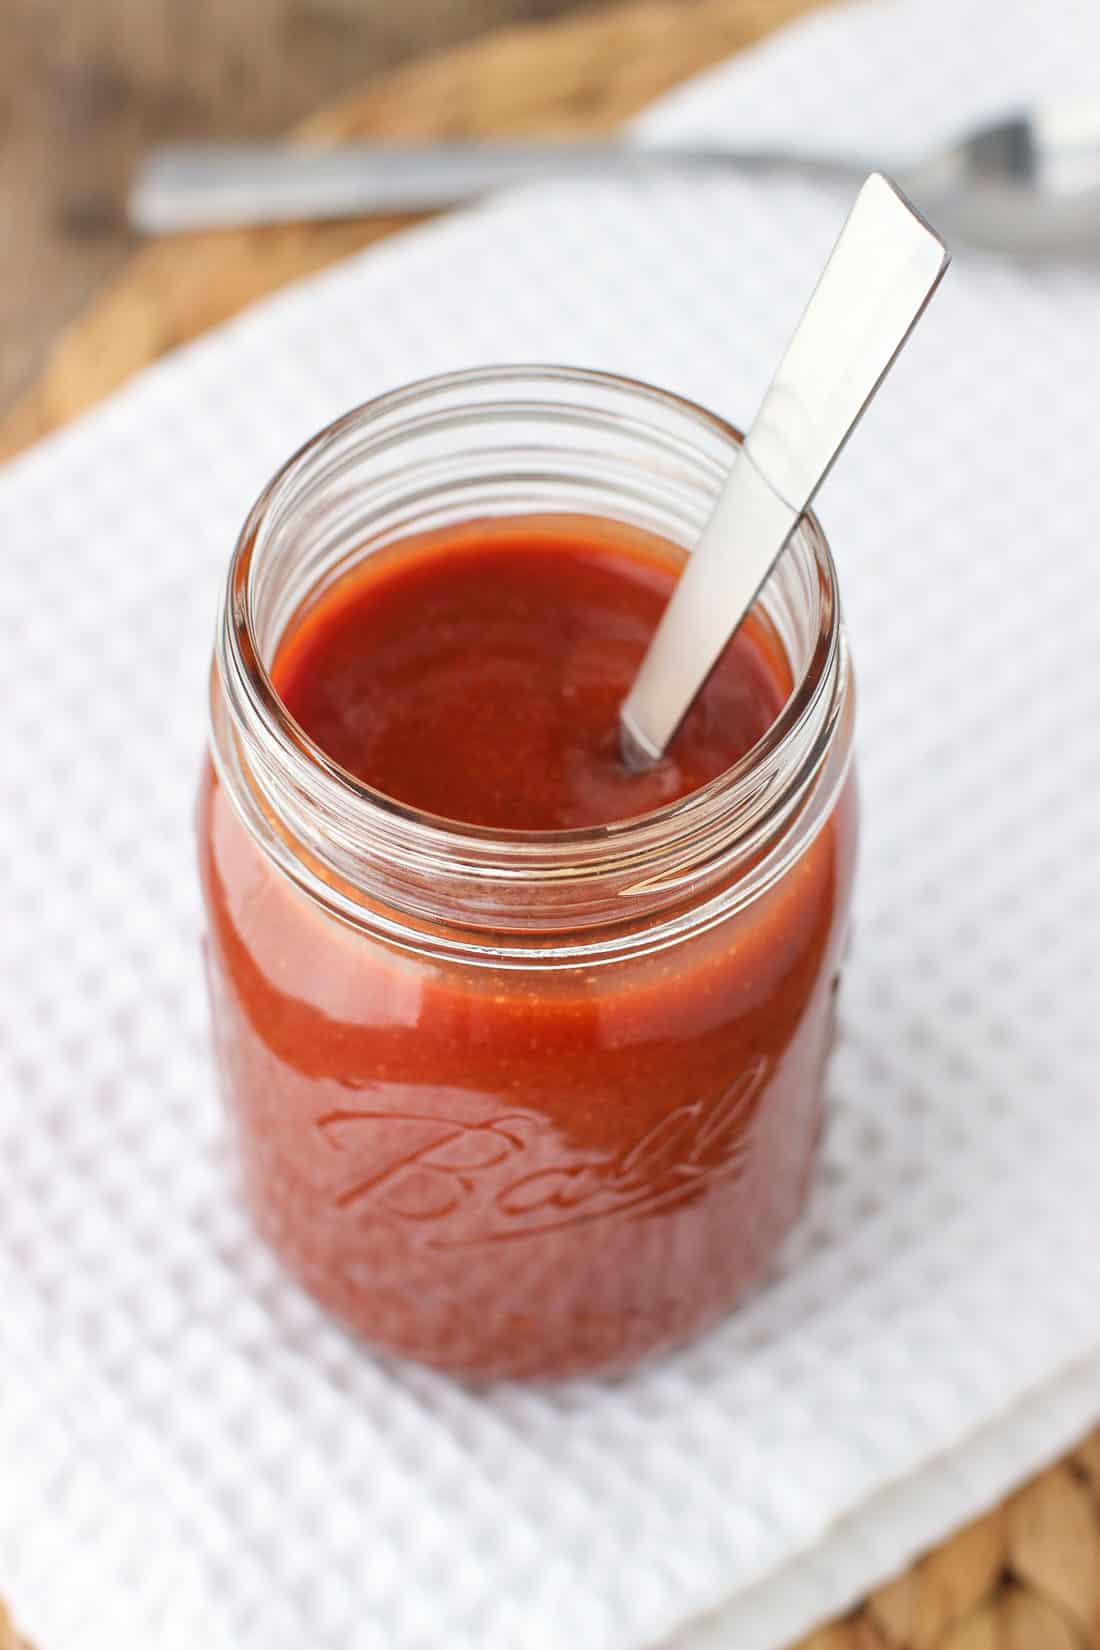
[190,1453]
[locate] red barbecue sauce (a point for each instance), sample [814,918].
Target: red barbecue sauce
[532,1171]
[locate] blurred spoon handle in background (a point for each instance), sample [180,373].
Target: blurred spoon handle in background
[1029,182]
[205,185]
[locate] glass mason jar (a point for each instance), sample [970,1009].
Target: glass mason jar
[520,1103]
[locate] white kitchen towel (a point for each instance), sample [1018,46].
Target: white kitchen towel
[190,1453]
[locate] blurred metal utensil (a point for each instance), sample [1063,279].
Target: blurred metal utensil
[1029,182]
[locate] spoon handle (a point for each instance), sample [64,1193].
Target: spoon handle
[182,186]
[882,271]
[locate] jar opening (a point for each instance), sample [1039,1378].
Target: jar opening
[500,443]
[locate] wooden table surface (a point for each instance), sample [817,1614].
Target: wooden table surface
[85,87]
[1027,1575]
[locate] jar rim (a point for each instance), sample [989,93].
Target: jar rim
[281,723]
[374,860]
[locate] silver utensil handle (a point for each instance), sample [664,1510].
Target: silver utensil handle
[880,275]
[191,186]
[208,186]
[884,268]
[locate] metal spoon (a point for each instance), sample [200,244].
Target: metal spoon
[880,275]
[1031,181]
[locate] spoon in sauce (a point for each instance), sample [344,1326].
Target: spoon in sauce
[885,266]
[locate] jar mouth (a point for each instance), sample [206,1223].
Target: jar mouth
[689,449]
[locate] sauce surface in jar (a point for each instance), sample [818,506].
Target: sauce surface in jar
[521,1170]
[479,677]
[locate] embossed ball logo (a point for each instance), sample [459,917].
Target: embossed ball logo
[503,1178]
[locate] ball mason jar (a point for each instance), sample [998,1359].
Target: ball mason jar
[520,1103]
